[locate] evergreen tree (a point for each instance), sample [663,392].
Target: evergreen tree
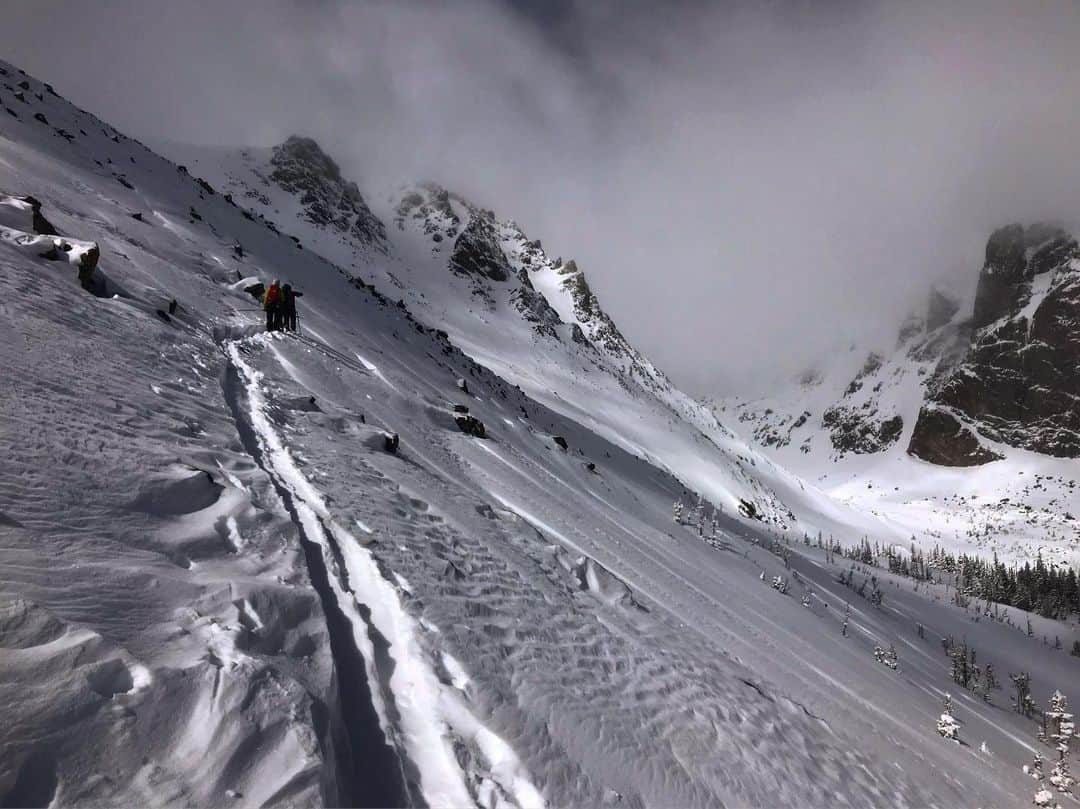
[947,725]
[1022,702]
[1059,733]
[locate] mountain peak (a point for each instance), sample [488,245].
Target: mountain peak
[301,167]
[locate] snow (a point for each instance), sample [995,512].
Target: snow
[1016,507]
[217,587]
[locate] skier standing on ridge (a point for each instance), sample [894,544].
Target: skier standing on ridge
[272,304]
[288,303]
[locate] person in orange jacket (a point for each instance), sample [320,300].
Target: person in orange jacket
[272,304]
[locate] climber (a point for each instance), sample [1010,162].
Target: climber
[272,304]
[288,302]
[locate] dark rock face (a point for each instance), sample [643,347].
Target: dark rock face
[301,167]
[855,431]
[477,251]
[39,223]
[1018,382]
[1001,275]
[587,309]
[470,425]
[534,307]
[942,439]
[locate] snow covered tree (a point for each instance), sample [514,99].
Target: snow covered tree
[1035,769]
[1061,778]
[1044,797]
[947,725]
[1059,733]
[886,657]
[891,658]
[961,671]
[991,679]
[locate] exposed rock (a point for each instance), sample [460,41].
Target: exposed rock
[859,432]
[535,308]
[872,364]
[302,168]
[1018,381]
[470,425]
[391,442]
[940,438]
[561,442]
[1002,274]
[39,223]
[477,251]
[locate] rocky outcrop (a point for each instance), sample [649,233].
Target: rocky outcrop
[301,167]
[859,432]
[942,439]
[477,251]
[430,206]
[587,309]
[535,308]
[1018,382]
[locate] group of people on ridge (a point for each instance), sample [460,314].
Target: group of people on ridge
[280,305]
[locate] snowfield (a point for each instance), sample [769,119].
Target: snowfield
[218,586]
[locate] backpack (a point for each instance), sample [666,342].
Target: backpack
[272,295]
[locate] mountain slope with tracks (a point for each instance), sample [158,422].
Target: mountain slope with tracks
[270,569]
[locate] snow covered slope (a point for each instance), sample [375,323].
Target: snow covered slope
[849,428]
[224,581]
[531,319]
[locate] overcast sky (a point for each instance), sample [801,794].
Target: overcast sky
[747,186]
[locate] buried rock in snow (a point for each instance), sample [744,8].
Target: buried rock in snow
[180,491]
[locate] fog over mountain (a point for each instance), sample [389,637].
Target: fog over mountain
[748,185]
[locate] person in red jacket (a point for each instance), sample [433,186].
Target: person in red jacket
[272,300]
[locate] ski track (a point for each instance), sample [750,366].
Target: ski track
[218,586]
[430,715]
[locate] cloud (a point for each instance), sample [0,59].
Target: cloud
[748,186]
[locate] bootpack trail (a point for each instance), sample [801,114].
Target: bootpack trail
[400,720]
